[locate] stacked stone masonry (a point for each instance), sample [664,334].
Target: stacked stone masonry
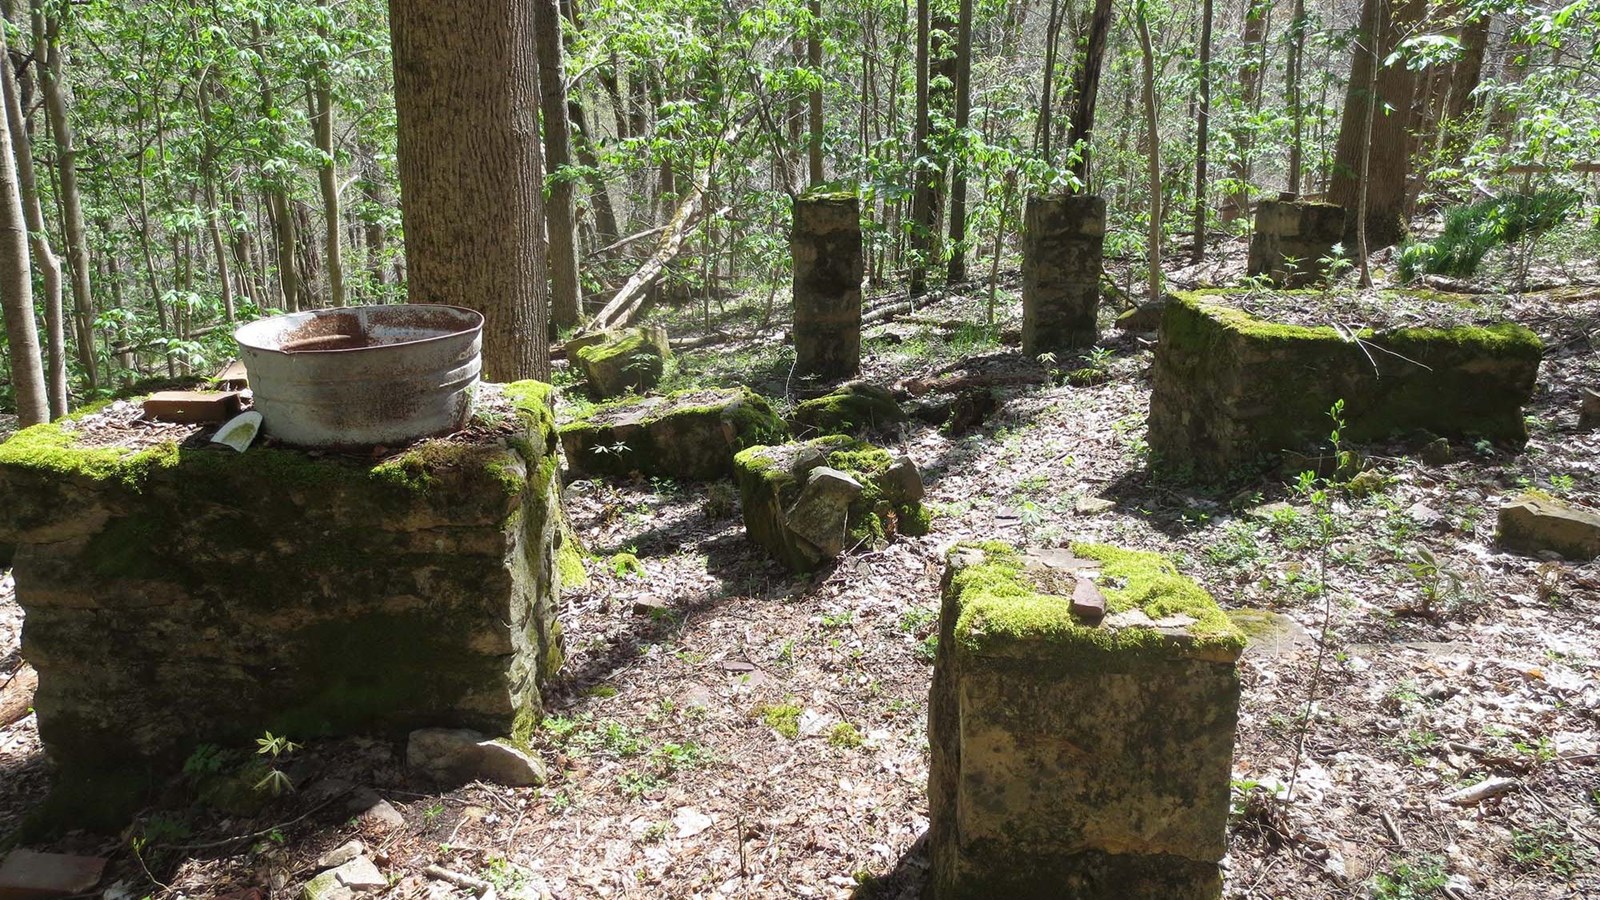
[826,248]
[1231,390]
[1293,244]
[1079,759]
[185,593]
[1062,242]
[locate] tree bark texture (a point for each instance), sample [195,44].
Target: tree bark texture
[45,258]
[469,161]
[16,286]
[1389,106]
[958,182]
[1086,89]
[52,85]
[560,224]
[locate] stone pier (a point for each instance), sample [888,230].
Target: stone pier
[1062,240]
[1079,753]
[1293,241]
[826,245]
[179,593]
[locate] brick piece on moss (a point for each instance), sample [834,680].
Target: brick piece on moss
[691,435]
[1537,523]
[1232,391]
[858,408]
[1079,760]
[177,595]
[778,495]
[633,360]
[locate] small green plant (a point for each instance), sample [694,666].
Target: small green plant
[917,618]
[601,691]
[1334,265]
[783,718]
[637,784]
[1439,587]
[274,748]
[1546,847]
[1416,879]
[839,619]
[928,649]
[432,812]
[844,736]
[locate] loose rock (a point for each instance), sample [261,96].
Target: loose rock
[1532,524]
[459,755]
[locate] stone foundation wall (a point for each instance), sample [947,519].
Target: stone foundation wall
[1231,390]
[184,594]
[1062,242]
[826,246]
[1076,758]
[1292,239]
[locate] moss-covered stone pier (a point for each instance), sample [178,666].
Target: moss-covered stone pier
[826,246]
[1293,242]
[1231,389]
[1073,758]
[1063,239]
[180,593]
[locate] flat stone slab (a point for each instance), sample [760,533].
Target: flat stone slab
[1074,756]
[1532,524]
[1231,391]
[29,875]
[691,435]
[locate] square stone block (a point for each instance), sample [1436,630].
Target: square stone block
[1073,758]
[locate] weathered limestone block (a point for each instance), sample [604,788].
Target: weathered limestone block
[826,246]
[1534,522]
[857,408]
[181,594]
[1292,240]
[1072,759]
[690,434]
[808,502]
[630,361]
[1062,240]
[1230,389]
[1588,413]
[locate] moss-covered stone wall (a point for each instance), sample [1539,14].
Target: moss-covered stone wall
[1073,758]
[1231,390]
[183,594]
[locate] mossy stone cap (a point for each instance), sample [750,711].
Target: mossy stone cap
[1018,604]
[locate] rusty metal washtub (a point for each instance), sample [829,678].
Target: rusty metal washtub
[363,376]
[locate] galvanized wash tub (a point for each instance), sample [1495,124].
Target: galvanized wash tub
[363,376]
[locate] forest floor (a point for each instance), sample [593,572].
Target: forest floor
[697,741]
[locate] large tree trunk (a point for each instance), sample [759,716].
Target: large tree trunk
[49,266]
[1086,89]
[1293,88]
[958,183]
[1148,57]
[16,285]
[1202,139]
[814,97]
[922,211]
[327,178]
[558,211]
[469,171]
[1382,193]
[52,85]
[1468,70]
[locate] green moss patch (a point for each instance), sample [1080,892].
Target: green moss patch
[1002,606]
